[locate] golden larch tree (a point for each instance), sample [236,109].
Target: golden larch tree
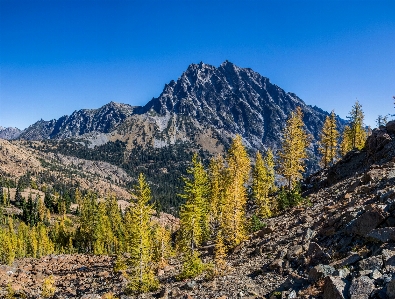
[139,226]
[357,133]
[233,223]
[216,190]
[328,145]
[263,178]
[293,149]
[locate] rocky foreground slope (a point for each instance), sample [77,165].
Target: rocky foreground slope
[340,246]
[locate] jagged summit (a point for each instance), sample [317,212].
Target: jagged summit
[234,99]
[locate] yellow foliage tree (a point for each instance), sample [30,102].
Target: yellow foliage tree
[216,190]
[293,149]
[233,222]
[162,246]
[345,145]
[357,133]
[263,182]
[139,226]
[328,145]
[220,265]
[48,288]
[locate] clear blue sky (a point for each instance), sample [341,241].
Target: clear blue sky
[60,56]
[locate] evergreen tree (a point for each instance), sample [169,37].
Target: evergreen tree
[293,152]
[328,145]
[263,182]
[139,227]
[357,132]
[233,223]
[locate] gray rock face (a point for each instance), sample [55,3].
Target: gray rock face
[361,288]
[391,289]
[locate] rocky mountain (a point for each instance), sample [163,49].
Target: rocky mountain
[81,122]
[231,100]
[9,133]
[206,106]
[200,112]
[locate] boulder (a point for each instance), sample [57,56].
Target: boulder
[294,252]
[389,260]
[352,258]
[390,126]
[361,288]
[335,288]
[320,271]
[391,289]
[385,234]
[372,263]
[366,222]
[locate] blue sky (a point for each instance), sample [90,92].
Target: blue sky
[60,56]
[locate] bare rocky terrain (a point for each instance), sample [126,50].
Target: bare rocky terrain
[341,245]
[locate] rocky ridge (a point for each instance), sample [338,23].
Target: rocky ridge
[102,120]
[9,133]
[342,245]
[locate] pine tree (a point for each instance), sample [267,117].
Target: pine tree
[357,132]
[293,151]
[263,182]
[142,277]
[328,145]
[233,222]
